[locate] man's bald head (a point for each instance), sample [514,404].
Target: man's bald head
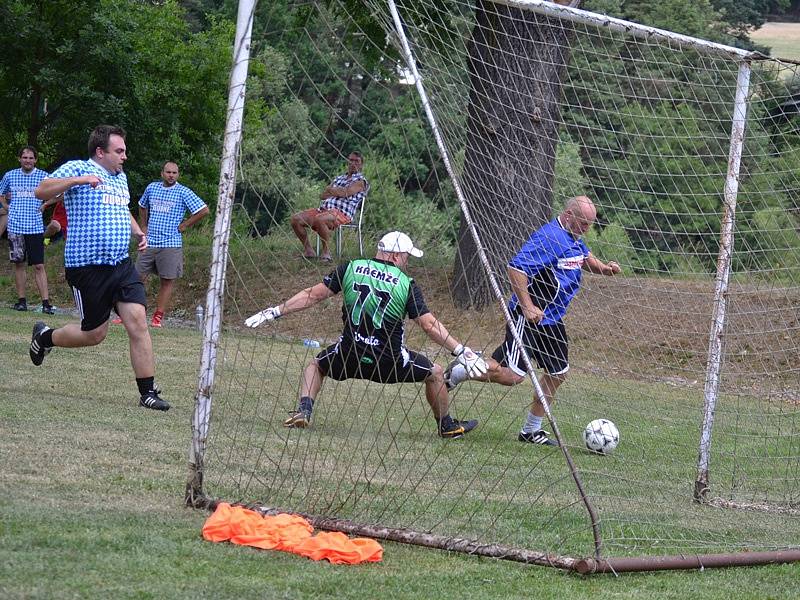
[578,215]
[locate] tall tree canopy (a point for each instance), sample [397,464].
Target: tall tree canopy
[67,66]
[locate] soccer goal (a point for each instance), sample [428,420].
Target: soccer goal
[477,122]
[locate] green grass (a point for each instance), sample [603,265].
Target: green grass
[92,488]
[782,38]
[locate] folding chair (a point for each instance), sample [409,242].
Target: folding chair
[350,225]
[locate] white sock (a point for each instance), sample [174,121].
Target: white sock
[458,374]
[532,424]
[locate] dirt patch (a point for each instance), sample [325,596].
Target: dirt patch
[637,327]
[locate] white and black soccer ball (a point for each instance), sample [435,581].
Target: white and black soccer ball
[601,436]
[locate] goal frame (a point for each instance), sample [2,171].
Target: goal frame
[195,494]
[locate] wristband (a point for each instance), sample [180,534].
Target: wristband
[458,350]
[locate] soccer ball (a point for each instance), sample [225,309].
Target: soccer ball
[601,436]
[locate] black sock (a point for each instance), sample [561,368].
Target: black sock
[45,301]
[46,338]
[446,422]
[22,300]
[306,404]
[145,384]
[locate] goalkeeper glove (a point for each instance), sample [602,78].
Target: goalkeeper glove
[473,363]
[268,314]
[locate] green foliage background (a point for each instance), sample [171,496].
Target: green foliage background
[323,82]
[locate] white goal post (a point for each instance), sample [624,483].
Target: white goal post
[690,155]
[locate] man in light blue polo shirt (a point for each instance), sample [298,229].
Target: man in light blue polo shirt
[162,209]
[96,259]
[25,226]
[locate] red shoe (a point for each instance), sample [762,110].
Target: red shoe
[116,321]
[158,317]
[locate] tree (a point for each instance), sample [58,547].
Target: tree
[70,66]
[517,61]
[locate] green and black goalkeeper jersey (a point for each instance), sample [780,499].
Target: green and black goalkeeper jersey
[377,298]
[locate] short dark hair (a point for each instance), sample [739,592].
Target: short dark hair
[100,136]
[170,162]
[31,148]
[358,154]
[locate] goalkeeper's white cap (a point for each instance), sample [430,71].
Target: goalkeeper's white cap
[397,241]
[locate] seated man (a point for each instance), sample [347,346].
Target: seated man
[378,296]
[340,201]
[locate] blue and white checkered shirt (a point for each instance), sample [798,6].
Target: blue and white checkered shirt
[24,214]
[348,205]
[99,218]
[166,208]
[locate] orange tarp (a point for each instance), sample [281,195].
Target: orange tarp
[289,533]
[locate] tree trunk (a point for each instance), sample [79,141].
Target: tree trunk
[517,60]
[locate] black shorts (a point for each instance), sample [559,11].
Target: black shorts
[339,363]
[98,288]
[26,245]
[546,344]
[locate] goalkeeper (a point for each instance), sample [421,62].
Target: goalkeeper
[545,276]
[377,297]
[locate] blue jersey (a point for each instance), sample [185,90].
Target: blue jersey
[99,218]
[552,260]
[166,208]
[24,210]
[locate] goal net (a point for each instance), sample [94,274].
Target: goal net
[477,122]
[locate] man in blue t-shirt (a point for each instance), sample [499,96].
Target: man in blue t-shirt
[545,276]
[162,209]
[96,259]
[25,227]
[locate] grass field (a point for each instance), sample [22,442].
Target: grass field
[782,38]
[92,487]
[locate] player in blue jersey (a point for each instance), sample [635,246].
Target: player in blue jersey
[96,259]
[25,227]
[545,276]
[162,209]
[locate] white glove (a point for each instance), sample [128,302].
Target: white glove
[268,314]
[473,363]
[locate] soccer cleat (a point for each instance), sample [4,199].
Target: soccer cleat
[457,429]
[152,400]
[37,351]
[21,306]
[157,319]
[540,437]
[298,419]
[116,321]
[48,309]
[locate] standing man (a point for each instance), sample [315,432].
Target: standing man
[162,209]
[96,260]
[545,276]
[378,296]
[25,227]
[340,201]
